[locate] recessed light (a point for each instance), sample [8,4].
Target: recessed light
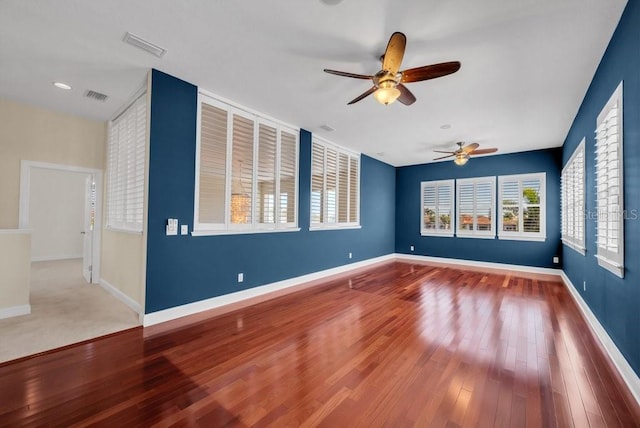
[331,2]
[61,85]
[445,126]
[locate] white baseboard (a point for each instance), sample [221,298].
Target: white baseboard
[251,293]
[15,311]
[473,263]
[628,374]
[135,306]
[52,258]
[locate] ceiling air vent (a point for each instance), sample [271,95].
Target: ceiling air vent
[146,46]
[327,128]
[96,95]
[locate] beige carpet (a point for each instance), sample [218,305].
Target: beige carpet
[64,310]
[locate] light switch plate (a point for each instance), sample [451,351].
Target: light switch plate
[184,229]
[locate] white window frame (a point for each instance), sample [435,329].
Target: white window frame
[227,228]
[573,200]
[437,184]
[521,235]
[126,182]
[488,234]
[612,261]
[326,225]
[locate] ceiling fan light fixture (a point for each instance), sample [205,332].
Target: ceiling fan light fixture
[387,92]
[461,159]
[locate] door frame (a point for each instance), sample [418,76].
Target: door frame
[27,166]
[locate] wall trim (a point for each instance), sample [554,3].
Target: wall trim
[620,362]
[15,311]
[264,292]
[474,263]
[132,304]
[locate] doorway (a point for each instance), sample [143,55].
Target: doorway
[62,206]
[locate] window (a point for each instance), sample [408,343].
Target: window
[572,200]
[247,172]
[437,208]
[522,199]
[609,186]
[335,184]
[125,167]
[475,206]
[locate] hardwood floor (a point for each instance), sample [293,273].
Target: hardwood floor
[397,345]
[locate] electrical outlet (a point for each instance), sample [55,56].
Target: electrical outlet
[556,259]
[411,248]
[584,285]
[350,255]
[240,277]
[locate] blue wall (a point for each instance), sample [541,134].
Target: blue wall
[488,250]
[184,269]
[614,301]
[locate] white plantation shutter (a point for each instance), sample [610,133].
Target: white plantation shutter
[523,207]
[343,188]
[125,167]
[572,200]
[213,161]
[317,182]
[475,202]
[609,186]
[354,189]
[247,171]
[266,190]
[437,208]
[335,184]
[288,173]
[242,171]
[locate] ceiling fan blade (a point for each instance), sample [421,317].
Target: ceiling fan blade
[366,94]
[429,71]
[483,151]
[394,53]
[406,97]
[470,147]
[444,157]
[345,74]
[442,151]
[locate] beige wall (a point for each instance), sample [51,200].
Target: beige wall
[32,133]
[35,134]
[122,261]
[15,269]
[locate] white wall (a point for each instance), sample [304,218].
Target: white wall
[56,214]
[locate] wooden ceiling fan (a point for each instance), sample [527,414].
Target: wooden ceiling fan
[463,153]
[388,83]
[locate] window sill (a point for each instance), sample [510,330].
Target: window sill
[464,235]
[332,227]
[443,235]
[241,232]
[578,248]
[522,238]
[611,266]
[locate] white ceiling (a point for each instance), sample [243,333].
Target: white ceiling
[526,64]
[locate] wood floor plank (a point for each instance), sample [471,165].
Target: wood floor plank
[399,344]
